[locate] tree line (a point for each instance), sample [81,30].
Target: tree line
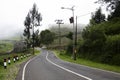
[101,38]
[100,41]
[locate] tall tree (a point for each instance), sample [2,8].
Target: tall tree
[97,17]
[37,38]
[34,21]
[47,37]
[113,6]
[27,30]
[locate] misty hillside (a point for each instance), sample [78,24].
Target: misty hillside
[66,28]
[13,36]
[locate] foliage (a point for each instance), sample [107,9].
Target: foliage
[5,47]
[97,17]
[70,35]
[47,37]
[69,49]
[66,34]
[12,70]
[113,6]
[85,62]
[32,20]
[112,46]
[101,42]
[94,39]
[27,30]
[37,38]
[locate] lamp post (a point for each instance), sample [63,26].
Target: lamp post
[74,48]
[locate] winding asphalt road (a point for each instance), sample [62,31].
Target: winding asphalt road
[47,66]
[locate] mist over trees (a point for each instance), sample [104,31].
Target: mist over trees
[65,28]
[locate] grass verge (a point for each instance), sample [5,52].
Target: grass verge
[12,70]
[88,62]
[37,52]
[5,47]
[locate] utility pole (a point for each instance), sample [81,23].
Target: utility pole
[33,40]
[59,22]
[72,18]
[75,39]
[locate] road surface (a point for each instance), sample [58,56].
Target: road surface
[47,66]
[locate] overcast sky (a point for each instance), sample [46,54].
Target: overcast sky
[13,13]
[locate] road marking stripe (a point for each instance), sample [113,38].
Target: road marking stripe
[23,74]
[67,69]
[116,73]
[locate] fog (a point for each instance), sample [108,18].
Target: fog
[13,13]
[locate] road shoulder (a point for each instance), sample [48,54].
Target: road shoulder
[19,75]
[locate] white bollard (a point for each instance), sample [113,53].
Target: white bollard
[5,64]
[21,57]
[14,59]
[9,60]
[17,58]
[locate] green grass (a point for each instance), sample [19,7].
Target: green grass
[88,62]
[5,47]
[37,52]
[12,69]
[11,72]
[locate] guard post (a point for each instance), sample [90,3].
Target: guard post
[9,60]
[14,59]
[17,58]
[5,64]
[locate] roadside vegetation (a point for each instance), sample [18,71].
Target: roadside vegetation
[101,38]
[101,42]
[13,68]
[5,46]
[62,55]
[37,51]
[98,45]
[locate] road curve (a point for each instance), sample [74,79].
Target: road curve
[47,66]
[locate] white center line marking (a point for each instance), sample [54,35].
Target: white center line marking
[67,69]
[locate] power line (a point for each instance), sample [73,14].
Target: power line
[84,14]
[88,13]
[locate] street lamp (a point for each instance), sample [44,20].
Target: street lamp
[74,48]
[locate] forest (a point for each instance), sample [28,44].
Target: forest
[101,38]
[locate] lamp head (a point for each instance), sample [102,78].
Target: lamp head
[62,8]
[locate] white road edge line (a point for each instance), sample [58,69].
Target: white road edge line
[67,69]
[93,67]
[23,74]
